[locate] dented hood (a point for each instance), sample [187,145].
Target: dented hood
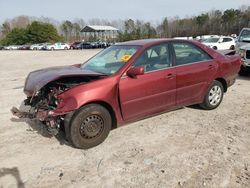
[39,78]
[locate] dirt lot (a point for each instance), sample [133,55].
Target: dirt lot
[188,147]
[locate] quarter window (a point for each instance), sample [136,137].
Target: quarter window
[188,53]
[154,58]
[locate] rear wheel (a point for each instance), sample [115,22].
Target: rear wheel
[214,96]
[65,48]
[232,47]
[89,126]
[215,47]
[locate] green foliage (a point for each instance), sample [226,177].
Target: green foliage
[39,32]
[138,30]
[36,32]
[15,36]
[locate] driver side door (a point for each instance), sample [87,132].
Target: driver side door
[152,92]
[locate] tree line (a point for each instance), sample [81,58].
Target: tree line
[24,29]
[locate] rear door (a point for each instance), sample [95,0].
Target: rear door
[195,70]
[152,92]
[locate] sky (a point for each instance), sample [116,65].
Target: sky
[149,10]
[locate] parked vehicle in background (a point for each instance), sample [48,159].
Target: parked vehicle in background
[84,45]
[12,47]
[37,46]
[57,46]
[73,45]
[245,55]
[24,47]
[184,38]
[124,83]
[1,47]
[220,43]
[243,48]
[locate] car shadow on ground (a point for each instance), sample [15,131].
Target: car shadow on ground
[38,127]
[196,107]
[247,77]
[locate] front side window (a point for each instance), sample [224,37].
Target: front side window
[110,60]
[154,58]
[187,53]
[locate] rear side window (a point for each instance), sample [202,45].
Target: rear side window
[187,53]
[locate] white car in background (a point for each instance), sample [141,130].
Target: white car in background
[220,43]
[37,46]
[12,47]
[57,46]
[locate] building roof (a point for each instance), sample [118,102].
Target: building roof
[98,28]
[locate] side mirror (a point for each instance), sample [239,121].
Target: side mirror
[135,71]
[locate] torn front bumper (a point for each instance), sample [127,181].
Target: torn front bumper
[50,118]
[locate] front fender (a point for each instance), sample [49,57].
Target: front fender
[105,90]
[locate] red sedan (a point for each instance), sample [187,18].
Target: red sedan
[124,83]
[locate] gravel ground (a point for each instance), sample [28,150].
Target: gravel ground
[188,147]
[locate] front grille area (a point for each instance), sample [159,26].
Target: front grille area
[248,54]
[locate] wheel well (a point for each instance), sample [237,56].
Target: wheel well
[110,109]
[224,83]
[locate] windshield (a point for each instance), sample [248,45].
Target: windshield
[212,40]
[245,36]
[110,60]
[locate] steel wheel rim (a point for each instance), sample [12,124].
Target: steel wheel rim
[92,127]
[215,95]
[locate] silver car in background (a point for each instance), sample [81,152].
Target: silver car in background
[243,48]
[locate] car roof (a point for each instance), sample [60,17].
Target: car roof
[143,42]
[150,42]
[245,28]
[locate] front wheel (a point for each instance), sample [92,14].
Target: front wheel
[90,126]
[214,96]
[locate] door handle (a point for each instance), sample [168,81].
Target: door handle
[170,76]
[211,66]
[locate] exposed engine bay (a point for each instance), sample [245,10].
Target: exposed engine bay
[44,101]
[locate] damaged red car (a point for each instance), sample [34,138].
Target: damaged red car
[127,82]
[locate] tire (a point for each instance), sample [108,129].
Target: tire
[214,96]
[89,126]
[215,47]
[232,47]
[52,49]
[65,48]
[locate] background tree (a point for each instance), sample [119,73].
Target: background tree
[36,32]
[15,36]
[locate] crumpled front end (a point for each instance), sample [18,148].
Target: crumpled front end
[44,105]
